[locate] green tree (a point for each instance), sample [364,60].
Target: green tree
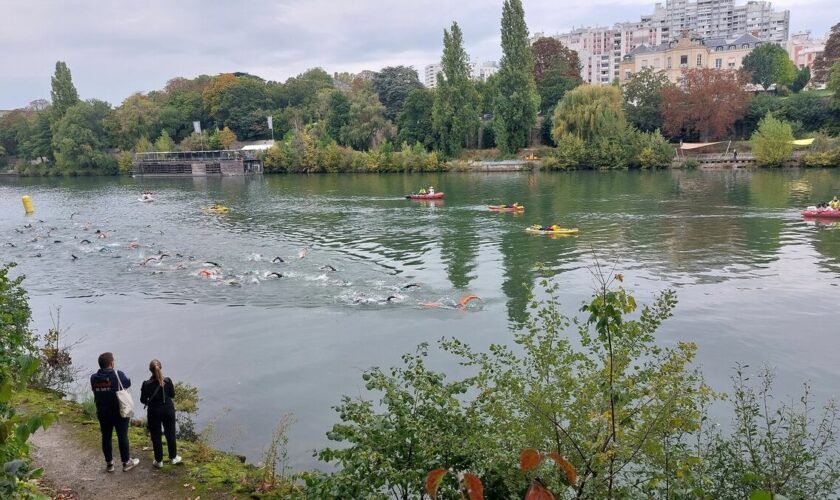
[366,124]
[226,138]
[143,145]
[138,116]
[834,84]
[194,142]
[825,61]
[338,113]
[164,142]
[589,112]
[803,76]
[772,142]
[232,101]
[643,98]
[556,71]
[415,121]
[760,105]
[455,111]
[809,110]
[768,64]
[80,139]
[63,91]
[393,84]
[516,100]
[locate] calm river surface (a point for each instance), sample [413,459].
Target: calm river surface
[756,283]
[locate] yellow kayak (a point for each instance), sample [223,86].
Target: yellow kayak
[218,210]
[558,230]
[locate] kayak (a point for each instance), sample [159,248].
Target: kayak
[562,230]
[219,210]
[502,208]
[435,196]
[826,214]
[146,199]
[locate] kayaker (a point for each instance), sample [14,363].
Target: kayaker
[422,191]
[431,190]
[515,205]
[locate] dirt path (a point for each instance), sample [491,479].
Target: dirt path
[76,470]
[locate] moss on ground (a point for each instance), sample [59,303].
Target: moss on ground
[207,472]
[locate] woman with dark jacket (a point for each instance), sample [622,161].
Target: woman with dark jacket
[157,393]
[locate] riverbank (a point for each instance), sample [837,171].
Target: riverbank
[69,452]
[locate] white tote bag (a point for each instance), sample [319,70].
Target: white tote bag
[125,400]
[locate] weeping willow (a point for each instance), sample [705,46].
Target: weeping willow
[589,113]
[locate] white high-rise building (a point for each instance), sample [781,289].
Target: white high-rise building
[430,75]
[601,49]
[478,71]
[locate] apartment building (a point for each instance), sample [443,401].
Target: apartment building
[803,49]
[479,72]
[689,52]
[602,49]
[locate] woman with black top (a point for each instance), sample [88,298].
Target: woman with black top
[157,393]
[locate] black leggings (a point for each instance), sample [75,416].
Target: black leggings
[158,416]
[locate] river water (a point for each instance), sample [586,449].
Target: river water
[756,283]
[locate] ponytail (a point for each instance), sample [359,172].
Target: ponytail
[157,374]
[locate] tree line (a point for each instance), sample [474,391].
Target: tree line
[355,121]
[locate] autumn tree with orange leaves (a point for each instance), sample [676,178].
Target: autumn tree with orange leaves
[706,104]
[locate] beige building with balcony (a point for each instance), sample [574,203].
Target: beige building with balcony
[688,52]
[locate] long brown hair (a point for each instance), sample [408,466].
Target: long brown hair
[155,368]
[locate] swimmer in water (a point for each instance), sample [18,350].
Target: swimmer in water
[274,274]
[411,285]
[71,255]
[85,242]
[328,268]
[277,259]
[211,263]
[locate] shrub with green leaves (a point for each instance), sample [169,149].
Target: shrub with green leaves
[772,143]
[18,363]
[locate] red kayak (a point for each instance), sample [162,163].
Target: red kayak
[435,196]
[825,214]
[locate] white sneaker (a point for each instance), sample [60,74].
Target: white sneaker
[176,460]
[132,463]
[159,465]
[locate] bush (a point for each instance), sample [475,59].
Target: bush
[689,164]
[772,142]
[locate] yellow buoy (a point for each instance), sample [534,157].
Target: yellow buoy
[27,204]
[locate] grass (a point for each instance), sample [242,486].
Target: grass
[213,473]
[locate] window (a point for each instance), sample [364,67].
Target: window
[644,63]
[699,60]
[745,46]
[718,48]
[683,60]
[669,62]
[718,63]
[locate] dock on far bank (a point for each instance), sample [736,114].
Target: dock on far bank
[501,166]
[196,163]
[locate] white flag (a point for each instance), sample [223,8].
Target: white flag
[197,127]
[270,123]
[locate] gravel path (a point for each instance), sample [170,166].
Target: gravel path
[74,470]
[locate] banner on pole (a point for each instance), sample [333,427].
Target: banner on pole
[197,127]
[270,123]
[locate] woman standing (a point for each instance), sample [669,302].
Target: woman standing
[157,393]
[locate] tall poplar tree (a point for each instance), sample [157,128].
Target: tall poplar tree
[515,106]
[455,109]
[63,91]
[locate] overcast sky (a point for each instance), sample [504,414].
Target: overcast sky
[115,48]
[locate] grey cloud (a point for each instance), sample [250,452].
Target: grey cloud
[115,48]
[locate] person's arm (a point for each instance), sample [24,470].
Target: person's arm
[126,382]
[169,388]
[144,394]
